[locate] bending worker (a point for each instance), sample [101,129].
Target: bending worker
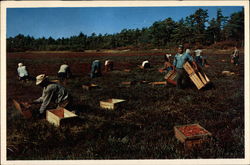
[52,92]
[22,72]
[95,69]
[64,72]
[180,59]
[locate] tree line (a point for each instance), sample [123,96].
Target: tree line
[194,29]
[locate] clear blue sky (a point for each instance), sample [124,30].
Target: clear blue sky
[66,22]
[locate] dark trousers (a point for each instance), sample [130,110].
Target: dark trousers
[181,77]
[62,75]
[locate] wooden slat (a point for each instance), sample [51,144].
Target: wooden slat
[56,116]
[180,136]
[52,118]
[202,78]
[206,77]
[25,112]
[68,114]
[159,83]
[111,103]
[196,81]
[188,68]
[199,81]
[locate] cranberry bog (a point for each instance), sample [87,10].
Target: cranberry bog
[140,129]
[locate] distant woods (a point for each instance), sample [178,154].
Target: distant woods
[193,30]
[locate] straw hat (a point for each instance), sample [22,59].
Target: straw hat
[40,78]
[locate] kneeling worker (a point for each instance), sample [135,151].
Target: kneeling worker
[52,92]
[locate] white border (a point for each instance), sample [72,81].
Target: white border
[28,4]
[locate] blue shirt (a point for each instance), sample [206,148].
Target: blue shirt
[179,60]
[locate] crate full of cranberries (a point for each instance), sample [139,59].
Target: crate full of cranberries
[192,135]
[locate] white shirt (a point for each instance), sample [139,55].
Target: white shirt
[63,68]
[188,51]
[22,71]
[198,52]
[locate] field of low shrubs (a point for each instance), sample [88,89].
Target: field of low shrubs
[142,128]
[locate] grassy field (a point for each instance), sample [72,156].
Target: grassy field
[143,127]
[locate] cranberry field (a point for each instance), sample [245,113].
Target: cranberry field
[142,128]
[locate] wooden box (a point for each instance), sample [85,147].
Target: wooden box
[23,109]
[159,83]
[90,86]
[55,81]
[111,103]
[191,135]
[171,77]
[60,116]
[200,79]
[127,70]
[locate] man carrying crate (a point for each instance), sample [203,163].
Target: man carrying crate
[179,59]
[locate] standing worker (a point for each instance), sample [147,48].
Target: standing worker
[235,56]
[22,72]
[198,57]
[64,72]
[52,93]
[180,59]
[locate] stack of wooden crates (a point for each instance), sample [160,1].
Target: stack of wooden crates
[199,78]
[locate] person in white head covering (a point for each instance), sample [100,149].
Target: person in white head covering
[22,72]
[145,64]
[108,65]
[198,56]
[52,92]
[64,71]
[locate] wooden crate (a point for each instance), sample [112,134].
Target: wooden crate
[199,78]
[127,70]
[90,86]
[171,77]
[191,135]
[55,81]
[23,109]
[111,103]
[159,83]
[60,116]
[227,73]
